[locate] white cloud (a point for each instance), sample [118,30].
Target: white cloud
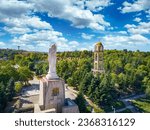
[142,28]
[15,14]
[82,49]
[137,19]
[125,40]
[130,26]
[73,44]
[87,36]
[2,44]
[43,35]
[17,30]
[69,11]
[14,8]
[122,32]
[19,17]
[148,14]
[97,5]
[41,40]
[79,3]
[137,5]
[24,24]
[133,42]
[93,5]
[139,39]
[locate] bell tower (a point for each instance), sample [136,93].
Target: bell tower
[98,59]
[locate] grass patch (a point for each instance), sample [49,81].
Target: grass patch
[98,110]
[88,109]
[115,104]
[143,104]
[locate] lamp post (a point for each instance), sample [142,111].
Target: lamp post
[113,109]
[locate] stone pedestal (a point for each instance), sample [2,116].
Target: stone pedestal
[52,91]
[52,94]
[51,75]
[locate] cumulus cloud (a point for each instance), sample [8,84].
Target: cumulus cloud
[41,40]
[31,32]
[137,19]
[14,8]
[87,36]
[17,30]
[73,44]
[122,32]
[78,17]
[92,5]
[2,43]
[137,5]
[40,36]
[125,40]
[24,24]
[141,28]
[16,13]
[148,14]
[97,5]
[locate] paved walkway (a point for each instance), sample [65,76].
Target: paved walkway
[128,103]
[30,94]
[88,101]
[31,90]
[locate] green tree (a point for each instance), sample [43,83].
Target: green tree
[10,92]
[84,85]
[3,99]
[107,93]
[25,74]
[81,102]
[148,89]
[92,87]
[18,87]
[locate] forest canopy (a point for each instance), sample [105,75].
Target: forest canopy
[126,72]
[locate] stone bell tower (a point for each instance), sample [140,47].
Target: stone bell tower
[98,59]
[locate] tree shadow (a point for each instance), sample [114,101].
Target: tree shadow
[26,101]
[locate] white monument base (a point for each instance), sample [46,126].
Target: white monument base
[52,94]
[52,98]
[50,76]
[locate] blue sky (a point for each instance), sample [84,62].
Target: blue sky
[75,24]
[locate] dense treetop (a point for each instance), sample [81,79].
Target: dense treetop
[126,72]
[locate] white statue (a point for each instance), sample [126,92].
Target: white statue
[52,63]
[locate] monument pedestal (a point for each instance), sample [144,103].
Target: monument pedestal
[52,91]
[52,94]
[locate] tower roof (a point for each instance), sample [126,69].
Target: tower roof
[99,44]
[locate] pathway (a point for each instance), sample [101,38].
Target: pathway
[129,105]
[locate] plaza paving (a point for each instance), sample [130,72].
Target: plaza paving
[30,94]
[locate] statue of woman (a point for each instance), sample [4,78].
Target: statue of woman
[52,63]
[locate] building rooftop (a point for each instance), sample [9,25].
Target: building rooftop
[98,44]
